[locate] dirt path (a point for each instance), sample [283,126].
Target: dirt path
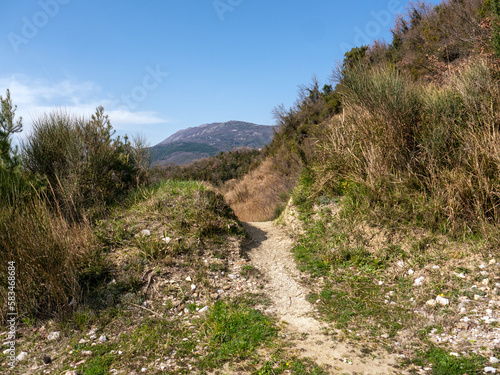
[269,251]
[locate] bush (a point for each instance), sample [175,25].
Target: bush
[84,165]
[47,252]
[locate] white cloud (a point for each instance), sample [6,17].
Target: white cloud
[34,97]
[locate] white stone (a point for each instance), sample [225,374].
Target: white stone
[167,240]
[442,301]
[485,281]
[482,266]
[492,261]
[418,281]
[204,309]
[103,338]
[494,360]
[400,263]
[188,278]
[86,352]
[410,272]
[145,233]
[232,276]
[435,267]
[22,356]
[454,354]
[431,302]
[54,336]
[490,370]
[460,275]
[193,287]
[484,273]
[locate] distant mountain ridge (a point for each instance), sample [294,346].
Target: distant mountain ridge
[188,145]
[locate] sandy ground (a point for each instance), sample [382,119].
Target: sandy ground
[269,251]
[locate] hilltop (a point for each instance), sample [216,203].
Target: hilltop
[188,145]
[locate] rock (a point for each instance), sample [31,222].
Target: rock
[490,370]
[400,263]
[46,359]
[459,275]
[86,352]
[83,341]
[482,266]
[145,233]
[418,281]
[204,310]
[442,301]
[22,356]
[431,302]
[220,291]
[214,295]
[484,273]
[454,354]
[188,278]
[166,239]
[233,276]
[226,287]
[103,339]
[492,261]
[54,336]
[485,282]
[494,360]
[435,267]
[193,287]
[410,272]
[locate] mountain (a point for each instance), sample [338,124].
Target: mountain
[206,140]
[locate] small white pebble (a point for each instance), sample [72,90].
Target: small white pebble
[442,301]
[418,281]
[410,272]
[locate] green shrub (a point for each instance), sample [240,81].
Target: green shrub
[84,165]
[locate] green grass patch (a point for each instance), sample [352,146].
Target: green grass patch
[445,364]
[234,333]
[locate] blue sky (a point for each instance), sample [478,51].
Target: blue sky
[158,66]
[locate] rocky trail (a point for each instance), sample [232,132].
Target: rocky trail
[270,251]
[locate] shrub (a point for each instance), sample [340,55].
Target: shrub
[84,165]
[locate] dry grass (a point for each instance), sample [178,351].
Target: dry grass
[49,255]
[261,194]
[429,150]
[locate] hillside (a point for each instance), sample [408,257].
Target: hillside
[384,257]
[206,140]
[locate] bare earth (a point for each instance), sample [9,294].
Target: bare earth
[269,251]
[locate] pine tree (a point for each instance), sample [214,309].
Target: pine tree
[7,127]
